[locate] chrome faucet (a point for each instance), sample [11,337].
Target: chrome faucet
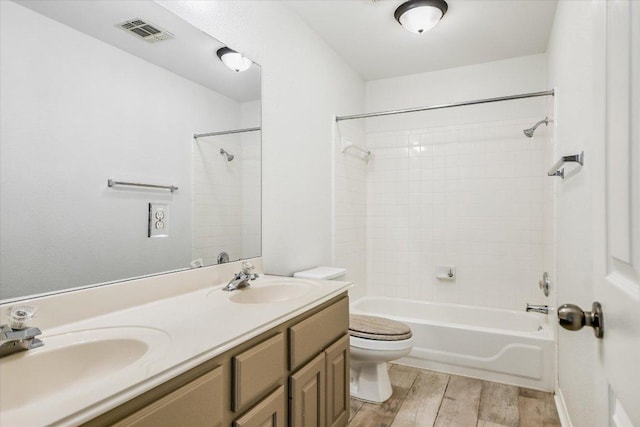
[13,341]
[544,309]
[241,279]
[16,335]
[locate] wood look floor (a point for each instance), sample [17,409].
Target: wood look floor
[428,398]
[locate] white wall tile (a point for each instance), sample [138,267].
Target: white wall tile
[470,195]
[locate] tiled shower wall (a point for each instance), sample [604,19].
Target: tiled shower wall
[217,199]
[227,195]
[226,198]
[350,208]
[475,196]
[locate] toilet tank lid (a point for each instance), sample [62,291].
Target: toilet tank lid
[326,273]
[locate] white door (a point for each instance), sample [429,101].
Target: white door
[617,263]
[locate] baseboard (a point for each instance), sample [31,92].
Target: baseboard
[563,414]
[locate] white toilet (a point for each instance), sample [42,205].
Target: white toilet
[374,341]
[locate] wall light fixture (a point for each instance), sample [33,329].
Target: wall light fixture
[233,60]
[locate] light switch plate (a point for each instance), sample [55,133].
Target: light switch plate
[158,220]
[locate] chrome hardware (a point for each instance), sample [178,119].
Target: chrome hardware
[247,267]
[223,258]
[225,132]
[113,183]
[557,170]
[241,279]
[545,283]
[15,340]
[441,106]
[573,318]
[529,132]
[227,155]
[544,309]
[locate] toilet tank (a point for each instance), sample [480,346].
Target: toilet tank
[322,273]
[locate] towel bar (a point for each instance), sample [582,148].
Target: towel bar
[112,183]
[558,170]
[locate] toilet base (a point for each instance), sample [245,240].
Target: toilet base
[370,382]
[369,372]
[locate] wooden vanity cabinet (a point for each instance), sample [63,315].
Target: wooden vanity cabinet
[191,404]
[257,371]
[337,383]
[296,374]
[319,390]
[307,394]
[270,412]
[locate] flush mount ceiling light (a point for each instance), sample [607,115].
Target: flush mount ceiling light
[234,60]
[419,16]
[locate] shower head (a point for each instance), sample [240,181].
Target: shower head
[529,132]
[227,155]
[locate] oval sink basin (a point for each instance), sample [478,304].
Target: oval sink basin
[67,360]
[271,292]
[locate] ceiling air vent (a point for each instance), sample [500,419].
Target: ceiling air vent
[150,32]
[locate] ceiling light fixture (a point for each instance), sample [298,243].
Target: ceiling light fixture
[419,16]
[233,60]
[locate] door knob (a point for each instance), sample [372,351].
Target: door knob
[573,318]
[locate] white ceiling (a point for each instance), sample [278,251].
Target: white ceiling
[191,54]
[366,35]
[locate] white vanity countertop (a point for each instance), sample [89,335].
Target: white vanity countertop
[181,331]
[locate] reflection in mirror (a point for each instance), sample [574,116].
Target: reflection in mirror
[84,101]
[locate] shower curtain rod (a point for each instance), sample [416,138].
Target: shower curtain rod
[438,107]
[225,132]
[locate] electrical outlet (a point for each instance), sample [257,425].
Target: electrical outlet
[158,220]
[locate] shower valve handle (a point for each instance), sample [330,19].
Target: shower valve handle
[573,318]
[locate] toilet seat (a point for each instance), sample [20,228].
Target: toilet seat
[377,333]
[367,344]
[377,328]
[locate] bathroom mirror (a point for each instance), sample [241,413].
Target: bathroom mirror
[115,90]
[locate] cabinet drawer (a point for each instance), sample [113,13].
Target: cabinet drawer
[197,403]
[270,412]
[257,371]
[312,335]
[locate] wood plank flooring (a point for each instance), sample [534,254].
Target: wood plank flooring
[423,398]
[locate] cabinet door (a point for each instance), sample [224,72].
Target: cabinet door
[196,404]
[257,371]
[337,370]
[270,412]
[307,395]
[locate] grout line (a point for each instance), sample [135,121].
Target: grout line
[479,403]
[479,399]
[442,400]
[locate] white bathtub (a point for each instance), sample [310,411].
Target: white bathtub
[507,346]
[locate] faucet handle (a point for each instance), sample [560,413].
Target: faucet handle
[247,267]
[19,316]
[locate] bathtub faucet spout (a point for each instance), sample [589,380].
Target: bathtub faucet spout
[544,309]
